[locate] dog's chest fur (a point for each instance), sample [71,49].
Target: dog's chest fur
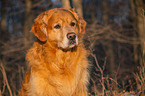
[62,69]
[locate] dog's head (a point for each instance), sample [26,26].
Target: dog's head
[60,25]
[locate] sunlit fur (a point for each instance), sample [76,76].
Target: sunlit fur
[55,67]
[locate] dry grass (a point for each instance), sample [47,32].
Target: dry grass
[140,76]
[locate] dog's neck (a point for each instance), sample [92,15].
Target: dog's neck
[48,52]
[62,57]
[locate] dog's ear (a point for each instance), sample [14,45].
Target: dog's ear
[82,25]
[39,28]
[81,22]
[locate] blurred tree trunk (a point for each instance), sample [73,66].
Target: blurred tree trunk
[3,30]
[140,7]
[77,4]
[66,4]
[109,50]
[133,21]
[28,36]
[110,57]
[3,16]
[104,12]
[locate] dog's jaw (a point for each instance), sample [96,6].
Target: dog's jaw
[66,44]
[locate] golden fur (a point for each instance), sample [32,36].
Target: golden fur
[56,66]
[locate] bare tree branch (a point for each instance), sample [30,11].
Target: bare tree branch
[5,78]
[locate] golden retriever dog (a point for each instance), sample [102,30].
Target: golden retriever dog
[57,62]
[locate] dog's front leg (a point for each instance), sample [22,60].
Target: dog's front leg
[81,89]
[41,85]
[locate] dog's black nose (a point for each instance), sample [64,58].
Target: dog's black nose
[71,36]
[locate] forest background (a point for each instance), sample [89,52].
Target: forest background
[115,40]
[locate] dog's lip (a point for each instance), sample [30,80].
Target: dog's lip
[71,46]
[68,48]
[71,42]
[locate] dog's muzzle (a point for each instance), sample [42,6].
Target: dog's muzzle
[72,38]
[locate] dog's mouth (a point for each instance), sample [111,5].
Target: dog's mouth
[68,44]
[72,43]
[68,48]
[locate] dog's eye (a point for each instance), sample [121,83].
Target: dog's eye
[72,23]
[57,26]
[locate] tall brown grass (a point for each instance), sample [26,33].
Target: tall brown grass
[140,76]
